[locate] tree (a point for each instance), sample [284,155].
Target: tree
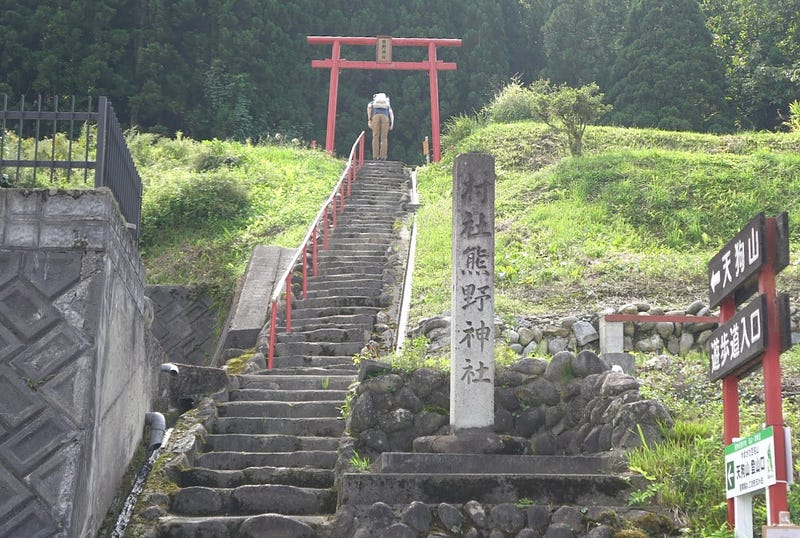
[760,43]
[568,110]
[666,74]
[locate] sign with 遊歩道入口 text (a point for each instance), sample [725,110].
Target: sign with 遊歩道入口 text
[472,294]
[750,463]
[741,340]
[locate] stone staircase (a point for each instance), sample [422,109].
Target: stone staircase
[267,466]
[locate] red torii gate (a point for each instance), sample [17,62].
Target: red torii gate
[383,55]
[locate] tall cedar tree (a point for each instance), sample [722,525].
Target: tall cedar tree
[667,75]
[581,40]
[760,40]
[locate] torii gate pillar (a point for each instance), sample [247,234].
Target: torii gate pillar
[383,61]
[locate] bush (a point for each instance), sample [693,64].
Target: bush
[191,203]
[512,103]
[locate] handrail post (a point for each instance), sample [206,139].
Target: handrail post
[272,323]
[288,303]
[350,176]
[360,156]
[325,229]
[334,211]
[341,198]
[314,252]
[305,271]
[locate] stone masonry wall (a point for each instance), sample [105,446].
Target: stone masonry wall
[75,377]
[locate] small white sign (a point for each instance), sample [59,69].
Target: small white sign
[750,463]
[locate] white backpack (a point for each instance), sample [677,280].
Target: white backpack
[379,100]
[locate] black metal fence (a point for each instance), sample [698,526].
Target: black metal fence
[60,143]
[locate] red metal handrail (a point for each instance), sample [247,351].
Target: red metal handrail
[335,204]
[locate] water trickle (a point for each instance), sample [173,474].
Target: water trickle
[136,489]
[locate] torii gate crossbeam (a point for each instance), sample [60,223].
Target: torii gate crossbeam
[431,65]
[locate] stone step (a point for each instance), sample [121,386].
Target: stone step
[268,443]
[277,379]
[342,302]
[253,499]
[331,257]
[280,409]
[343,236]
[333,290]
[315,283]
[351,269]
[317,349]
[322,427]
[226,526]
[250,395]
[363,321]
[318,459]
[328,312]
[321,371]
[298,361]
[421,463]
[330,334]
[404,488]
[223,478]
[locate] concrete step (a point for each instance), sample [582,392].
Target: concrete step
[268,443]
[322,427]
[253,499]
[328,312]
[223,478]
[282,380]
[250,395]
[338,291]
[331,257]
[318,459]
[364,321]
[295,526]
[316,283]
[278,409]
[311,361]
[351,269]
[420,462]
[342,302]
[330,334]
[404,488]
[318,349]
[321,371]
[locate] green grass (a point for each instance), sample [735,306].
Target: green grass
[639,215]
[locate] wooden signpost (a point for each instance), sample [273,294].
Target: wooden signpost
[754,336]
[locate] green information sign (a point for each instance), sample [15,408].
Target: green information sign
[750,463]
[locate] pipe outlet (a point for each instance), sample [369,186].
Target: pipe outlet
[158,426]
[169,367]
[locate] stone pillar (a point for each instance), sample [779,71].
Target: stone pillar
[472,328]
[75,377]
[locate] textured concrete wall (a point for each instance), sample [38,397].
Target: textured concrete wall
[185,323]
[75,380]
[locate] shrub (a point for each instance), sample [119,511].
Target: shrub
[191,203]
[512,103]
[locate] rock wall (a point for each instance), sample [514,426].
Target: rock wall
[572,404]
[546,335]
[77,370]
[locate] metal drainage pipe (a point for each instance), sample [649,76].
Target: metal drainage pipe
[157,425]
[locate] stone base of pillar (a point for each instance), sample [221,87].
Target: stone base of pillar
[473,441]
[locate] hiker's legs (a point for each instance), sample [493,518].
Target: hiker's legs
[376,136]
[384,128]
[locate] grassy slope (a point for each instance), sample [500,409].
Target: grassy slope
[208,204]
[637,217]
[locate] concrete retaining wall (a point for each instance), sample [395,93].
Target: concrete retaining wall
[75,376]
